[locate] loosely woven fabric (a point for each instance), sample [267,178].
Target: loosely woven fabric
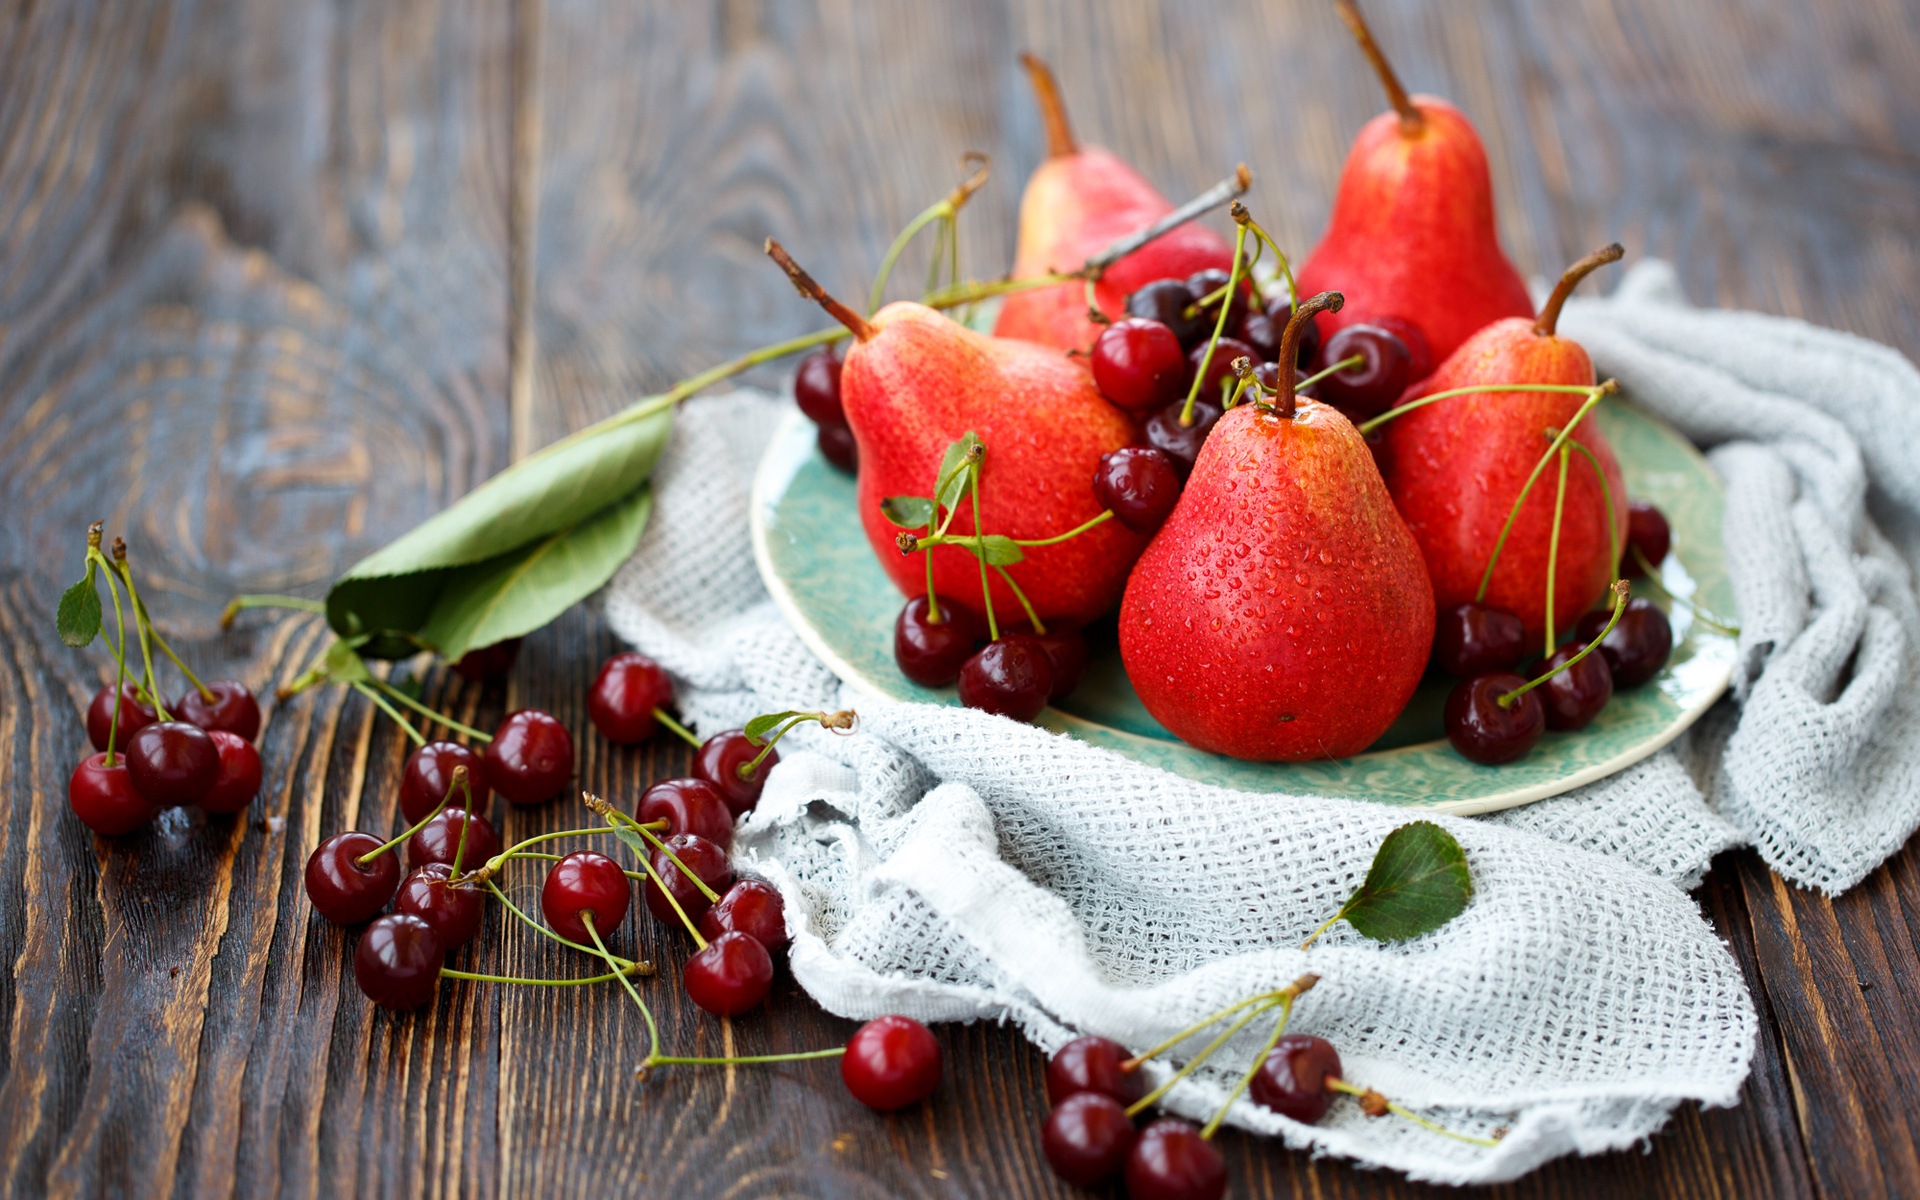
[952,865]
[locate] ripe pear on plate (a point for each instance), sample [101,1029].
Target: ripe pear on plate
[1283,612]
[1456,466]
[1412,232]
[1079,201]
[913,382]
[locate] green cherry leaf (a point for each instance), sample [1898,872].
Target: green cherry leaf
[1418,882]
[1001,550]
[908,512]
[758,728]
[79,613]
[631,840]
[951,484]
[342,662]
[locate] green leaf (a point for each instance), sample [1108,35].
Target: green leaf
[1418,882]
[633,841]
[79,613]
[518,592]
[410,592]
[342,662]
[955,469]
[1001,550]
[758,728]
[908,512]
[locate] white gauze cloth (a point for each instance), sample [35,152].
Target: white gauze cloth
[952,865]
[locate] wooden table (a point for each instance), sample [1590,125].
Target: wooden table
[279,278]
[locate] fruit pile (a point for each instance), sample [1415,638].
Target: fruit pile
[1297,495]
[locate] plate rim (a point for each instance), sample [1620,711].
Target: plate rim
[759,498]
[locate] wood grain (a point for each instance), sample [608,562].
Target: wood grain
[279,279]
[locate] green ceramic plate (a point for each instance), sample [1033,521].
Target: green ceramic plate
[818,567]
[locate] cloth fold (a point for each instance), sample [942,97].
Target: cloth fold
[957,866]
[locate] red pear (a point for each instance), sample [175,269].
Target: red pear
[1412,233]
[1456,466]
[1282,612]
[1079,202]
[915,381]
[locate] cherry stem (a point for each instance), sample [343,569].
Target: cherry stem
[1286,266]
[986,590]
[144,621]
[1571,389]
[1253,1068]
[400,694]
[466,806]
[842,720]
[947,207]
[647,831]
[120,661]
[1220,322]
[653,1031]
[1606,494]
[686,735]
[1290,346]
[1336,1084]
[673,900]
[1033,617]
[1299,987]
[1076,531]
[267,600]
[140,627]
[643,966]
[1706,618]
[1553,547]
[1513,514]
[1412,121]
[499,860]
[459,781]
[1147,1101]
[662,1060]
[1549,317]
[1620,592]
[1046,90]
[477,977]
[1220,193]
[933,601]
[804,283]
[380,702]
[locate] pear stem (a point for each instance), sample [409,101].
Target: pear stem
[1220,193]
[1046,90]
[804,283]
[1550,311]
[1290,345]
[1412,120]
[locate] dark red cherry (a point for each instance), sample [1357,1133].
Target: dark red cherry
[1647,532]
[453,910]
[930,653]
[1139,364]
[1419,356]
[625,693]
[720,760]
[134,715]
[816,387]
[696,854]
[1140,484]
[104,798]
[1258,330]
[891,1062]
[231,707]
[1012,677]
[752,907]
[1472,639]
[1481,729]
[530,757]
[345,890]
[439,840]
[1206,281]
[427,778]
[1171,1161]
[1638,646]
[585,882]
[730,976]
[239,779]
[1086,1138]
[1166,301]
[1385,370]
[1218,383]
[397,962]
[838,447]
[1066,656]
[488,662]
[1092,1064]
[1182,443]
[172,762]
[1280,311]
[1574,697]
[1292,1079]
[688,806]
